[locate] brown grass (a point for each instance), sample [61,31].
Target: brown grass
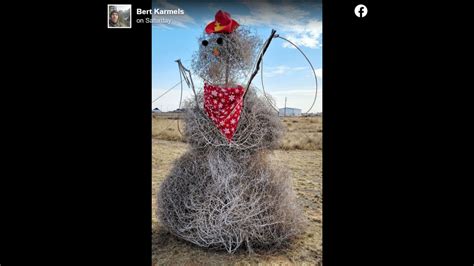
[166,128]
[305,166]
[303,133]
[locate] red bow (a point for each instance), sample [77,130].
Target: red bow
[223,106]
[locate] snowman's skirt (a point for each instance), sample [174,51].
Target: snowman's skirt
[227,203]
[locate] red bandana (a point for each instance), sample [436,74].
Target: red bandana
[219,103]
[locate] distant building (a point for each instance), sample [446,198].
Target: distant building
[288,111]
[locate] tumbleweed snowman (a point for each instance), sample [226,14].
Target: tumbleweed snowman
[225,192]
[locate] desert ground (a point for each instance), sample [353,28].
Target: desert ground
[300,150]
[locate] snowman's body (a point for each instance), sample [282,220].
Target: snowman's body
[224,192]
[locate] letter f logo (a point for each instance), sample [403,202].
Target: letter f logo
[361,11]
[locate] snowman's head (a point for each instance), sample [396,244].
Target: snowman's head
[226,55]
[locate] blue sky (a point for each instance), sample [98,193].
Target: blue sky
[286,71]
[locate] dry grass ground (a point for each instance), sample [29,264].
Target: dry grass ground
[303,133]
[304,159]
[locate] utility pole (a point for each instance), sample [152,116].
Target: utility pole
[284,110]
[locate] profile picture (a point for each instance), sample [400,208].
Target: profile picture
[119,16]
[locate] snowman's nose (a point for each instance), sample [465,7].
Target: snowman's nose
[216,51]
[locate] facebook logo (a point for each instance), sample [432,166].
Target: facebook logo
[361,11]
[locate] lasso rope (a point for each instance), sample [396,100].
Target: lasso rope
[311,65]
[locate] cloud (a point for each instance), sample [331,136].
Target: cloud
[182,21]
[307,34]
[269,72]
[291,21]
[319,73]
[280,70]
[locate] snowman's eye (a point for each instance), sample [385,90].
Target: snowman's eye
[205,42]
[220,41]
